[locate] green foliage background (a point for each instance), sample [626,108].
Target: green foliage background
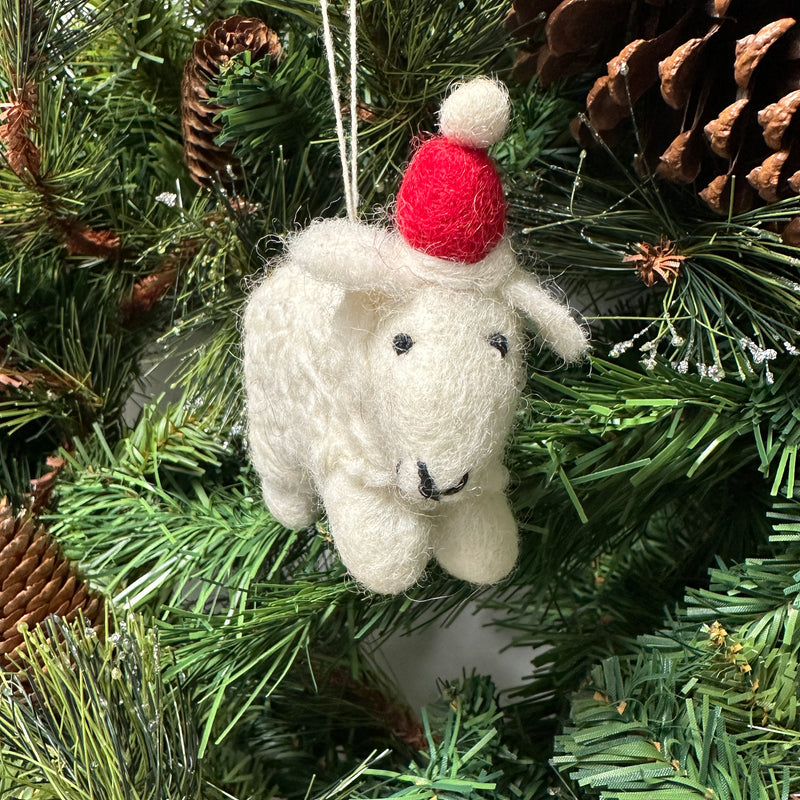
[244,663]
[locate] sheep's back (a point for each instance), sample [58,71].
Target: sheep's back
[299,375]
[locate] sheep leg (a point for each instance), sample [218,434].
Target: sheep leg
[290,499]
[475,538]
[384,544]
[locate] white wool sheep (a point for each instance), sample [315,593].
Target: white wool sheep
[382,385]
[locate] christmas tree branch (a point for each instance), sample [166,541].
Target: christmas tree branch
[708,704]
[97,715]
[466,756]
[729,306]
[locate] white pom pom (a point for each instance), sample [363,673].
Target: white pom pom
[475,114]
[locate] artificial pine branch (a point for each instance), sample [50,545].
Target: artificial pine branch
[66,362]
[655,435]
[97,718]
[466,756]
[409,54]
[211,162]
[270,114]
[709,703]
[36,39]
[691,473]
[734,306]
[649,440]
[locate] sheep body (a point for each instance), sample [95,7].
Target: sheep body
[385,394]
[302,390]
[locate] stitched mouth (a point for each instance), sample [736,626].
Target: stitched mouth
[427,486]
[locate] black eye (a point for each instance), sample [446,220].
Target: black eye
[500,342]
[402,343]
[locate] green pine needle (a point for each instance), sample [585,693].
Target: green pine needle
[708,705]
[467,758]
[94,718]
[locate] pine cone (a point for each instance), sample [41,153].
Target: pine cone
[36,580]
[18,122]
[207,161]
[715,85]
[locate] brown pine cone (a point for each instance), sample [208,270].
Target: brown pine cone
[17,124]
[207,161]
[36,580]
[714,85]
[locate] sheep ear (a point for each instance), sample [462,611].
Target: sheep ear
[551,320]
[349,254]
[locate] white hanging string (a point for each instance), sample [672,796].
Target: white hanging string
[350,186]
[353,108]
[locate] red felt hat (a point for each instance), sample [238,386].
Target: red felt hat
[450,203]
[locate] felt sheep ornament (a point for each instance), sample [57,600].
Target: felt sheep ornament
[383,366]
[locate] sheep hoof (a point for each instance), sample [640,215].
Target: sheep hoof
[476,539]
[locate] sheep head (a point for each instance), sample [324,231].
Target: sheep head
[445,369]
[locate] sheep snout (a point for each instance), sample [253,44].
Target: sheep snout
[428,488]
[421,483]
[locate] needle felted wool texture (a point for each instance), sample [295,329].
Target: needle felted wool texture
[382,383]
[460,218]
[451,203]
[476,114]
